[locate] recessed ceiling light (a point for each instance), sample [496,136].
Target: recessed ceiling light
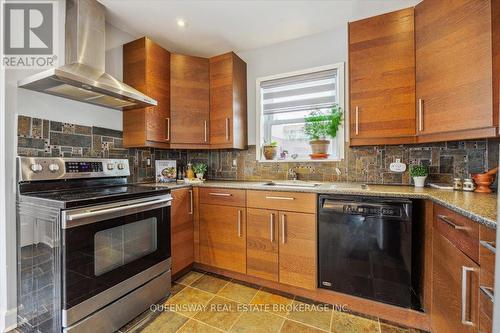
[181,23]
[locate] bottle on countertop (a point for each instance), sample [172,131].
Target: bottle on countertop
[189,171]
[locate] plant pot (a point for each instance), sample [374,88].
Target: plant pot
[419,181]
[270,152]
[199,175]
[319,147]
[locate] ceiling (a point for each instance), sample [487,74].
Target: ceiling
[216,26]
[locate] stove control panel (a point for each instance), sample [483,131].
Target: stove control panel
[48,168]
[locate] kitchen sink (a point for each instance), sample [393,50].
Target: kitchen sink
[292,183]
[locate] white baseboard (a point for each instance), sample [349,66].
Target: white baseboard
[9,320]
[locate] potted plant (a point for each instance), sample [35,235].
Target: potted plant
[320,127]
[419,174]
[270,150]
[200,169]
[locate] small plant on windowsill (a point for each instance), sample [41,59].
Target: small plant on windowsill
[419,174]
[270,150]
[200,169]
[319,127]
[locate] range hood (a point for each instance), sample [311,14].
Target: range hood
[83,77]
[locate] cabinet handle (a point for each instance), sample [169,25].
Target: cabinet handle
[488,292]
[489,245]
[357,120]
[239,223]
[220,194]
[168,129]
[280,198]
[191,202]
[227,129]
[451,223]
[465,274]
[271,227]
[420,114]
[205,126]
[283,231]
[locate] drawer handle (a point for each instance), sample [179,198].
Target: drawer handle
[488,292]
[489,245]
[280,198]
[220,194]
[465,274]
[451,223]
[271,227]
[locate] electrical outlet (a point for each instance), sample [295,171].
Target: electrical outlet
[235,163]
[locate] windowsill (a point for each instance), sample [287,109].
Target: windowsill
[300,161]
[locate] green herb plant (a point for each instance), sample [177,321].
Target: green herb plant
[418,171]
[321,125]
[200,168]
[271,144]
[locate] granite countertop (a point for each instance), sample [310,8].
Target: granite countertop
[478,207]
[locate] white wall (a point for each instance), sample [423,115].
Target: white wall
[312,51]
[34,104]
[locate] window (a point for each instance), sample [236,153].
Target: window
[284,100]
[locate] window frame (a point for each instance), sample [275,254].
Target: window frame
[339,67]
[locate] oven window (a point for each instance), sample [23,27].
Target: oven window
[120,245]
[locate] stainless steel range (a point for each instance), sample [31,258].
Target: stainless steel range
[93,250]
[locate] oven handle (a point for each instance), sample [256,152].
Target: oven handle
[94,213]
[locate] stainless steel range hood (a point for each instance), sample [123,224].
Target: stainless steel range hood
[83,78]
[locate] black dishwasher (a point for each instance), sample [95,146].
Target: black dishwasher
[365,247]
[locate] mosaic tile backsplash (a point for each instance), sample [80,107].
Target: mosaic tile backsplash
[446,160]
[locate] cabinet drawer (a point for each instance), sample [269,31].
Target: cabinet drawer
[287,201]
[459,230]
[487,251]
[222,196]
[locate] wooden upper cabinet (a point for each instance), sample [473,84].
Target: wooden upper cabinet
[189,101]
[382,79]
[457,68]
[146,67]
[182,229]
[228,102]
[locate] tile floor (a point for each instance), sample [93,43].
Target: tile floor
[204,302]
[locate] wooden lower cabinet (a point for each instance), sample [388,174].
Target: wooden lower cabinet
[453,274]
[281,247]
[262,243]
[222,237]
[297,249]
[182,229]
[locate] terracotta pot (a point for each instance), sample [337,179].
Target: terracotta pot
[270,152]
[319,147]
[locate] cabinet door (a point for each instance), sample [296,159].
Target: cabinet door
[228,102]
[297,250]
[454,288]
[189,99]
[182,229]
[221,100]
[382,79]
[223,237]
[453,68]
[158,87]
[262,243]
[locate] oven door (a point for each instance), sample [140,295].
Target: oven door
[110,250]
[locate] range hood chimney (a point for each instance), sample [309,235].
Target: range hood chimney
[83,77]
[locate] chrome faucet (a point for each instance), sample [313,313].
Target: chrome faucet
[293,174]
